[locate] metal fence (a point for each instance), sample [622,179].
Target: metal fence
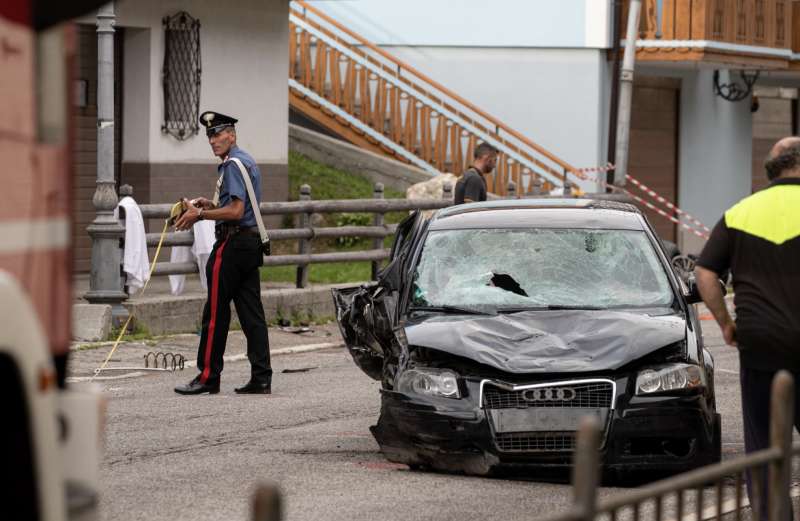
[707,493]
[305,233]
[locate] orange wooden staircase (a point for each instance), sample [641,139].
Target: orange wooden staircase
[363,94]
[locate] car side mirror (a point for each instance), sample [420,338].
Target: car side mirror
[692,294]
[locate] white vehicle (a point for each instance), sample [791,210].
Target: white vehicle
[52,437]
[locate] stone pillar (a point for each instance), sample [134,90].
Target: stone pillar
[105,282]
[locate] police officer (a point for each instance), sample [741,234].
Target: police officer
[232,269]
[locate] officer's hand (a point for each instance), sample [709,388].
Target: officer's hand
[187,220]
[201,202]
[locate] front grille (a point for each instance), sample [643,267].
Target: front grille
[595,395]
[535,441]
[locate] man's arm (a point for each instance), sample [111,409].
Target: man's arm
[231,212]
[715,259]
[711,291]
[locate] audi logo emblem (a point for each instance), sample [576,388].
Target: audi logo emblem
[552,394]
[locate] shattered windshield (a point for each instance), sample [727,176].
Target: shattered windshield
[497,269]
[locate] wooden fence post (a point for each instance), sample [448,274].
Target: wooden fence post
[267,504]
[304,245]
[586,467]
[378,220]
[780,433]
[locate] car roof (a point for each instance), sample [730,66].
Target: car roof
[540,213]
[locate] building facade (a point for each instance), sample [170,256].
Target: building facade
[546,70]
[241,64]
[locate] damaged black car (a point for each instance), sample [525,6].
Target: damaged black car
[497,326]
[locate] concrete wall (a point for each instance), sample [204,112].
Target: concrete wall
[715,152]
[476,23]
[244,59]
[344,156]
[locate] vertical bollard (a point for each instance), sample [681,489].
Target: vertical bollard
[512,190]
[447,192]
[780,433]
[304,245]
[267,505]
[586,467]
[377,243]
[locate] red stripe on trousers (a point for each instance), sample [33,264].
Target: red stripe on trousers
[213,321]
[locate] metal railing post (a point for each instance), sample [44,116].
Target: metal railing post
[780,433]
[586,467]
[267,504]
[447,191]
[378,220]
[304,245]
[512,190]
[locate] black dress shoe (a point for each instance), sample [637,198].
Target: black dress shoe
[252,387]
[195,387]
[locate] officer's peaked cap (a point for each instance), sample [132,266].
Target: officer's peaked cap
[214,122]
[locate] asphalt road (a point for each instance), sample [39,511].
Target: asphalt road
[171,457]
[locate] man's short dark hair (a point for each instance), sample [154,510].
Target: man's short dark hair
[788,159]
[484,149]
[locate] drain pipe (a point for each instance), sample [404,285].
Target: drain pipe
[614,101]
[626,94]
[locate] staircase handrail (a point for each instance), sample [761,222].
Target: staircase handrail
[401,65]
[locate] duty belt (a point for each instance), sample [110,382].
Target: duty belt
[225,230]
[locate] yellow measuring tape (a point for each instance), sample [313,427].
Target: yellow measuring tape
[174,213]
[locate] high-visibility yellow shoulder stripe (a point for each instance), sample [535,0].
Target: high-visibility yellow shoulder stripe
[772,214]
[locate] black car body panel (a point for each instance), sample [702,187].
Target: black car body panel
[549,341]
[525,378]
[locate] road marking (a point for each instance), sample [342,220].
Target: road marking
[233,358]
[726,371]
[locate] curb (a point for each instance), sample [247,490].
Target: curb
[233,358]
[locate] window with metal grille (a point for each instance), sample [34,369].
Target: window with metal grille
[181,75]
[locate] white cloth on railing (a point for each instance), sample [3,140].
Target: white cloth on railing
[199,252]
[135,261]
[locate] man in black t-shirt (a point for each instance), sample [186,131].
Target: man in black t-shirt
[758,239]
[471,187]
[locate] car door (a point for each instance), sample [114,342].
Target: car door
[368,314]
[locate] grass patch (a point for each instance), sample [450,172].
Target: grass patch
[327,182]
[139,332]
[329,273]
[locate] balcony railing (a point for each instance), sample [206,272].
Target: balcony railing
[757,23]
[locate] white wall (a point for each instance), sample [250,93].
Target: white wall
[244,52]
[476,23]
[715,151]
[556,97]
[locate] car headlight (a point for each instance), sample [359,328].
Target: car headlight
[428,381]
[677,377]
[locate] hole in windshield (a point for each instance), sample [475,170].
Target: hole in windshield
[517,269]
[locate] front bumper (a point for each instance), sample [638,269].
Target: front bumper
[666,433]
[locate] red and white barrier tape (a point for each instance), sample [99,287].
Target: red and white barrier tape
[702,232]
[649,191]
[662,213]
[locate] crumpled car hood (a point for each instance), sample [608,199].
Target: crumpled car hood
[549,341]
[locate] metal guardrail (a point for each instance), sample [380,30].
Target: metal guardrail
[305,232]
[669,498]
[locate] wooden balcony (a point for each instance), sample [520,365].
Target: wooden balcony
[753,34]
